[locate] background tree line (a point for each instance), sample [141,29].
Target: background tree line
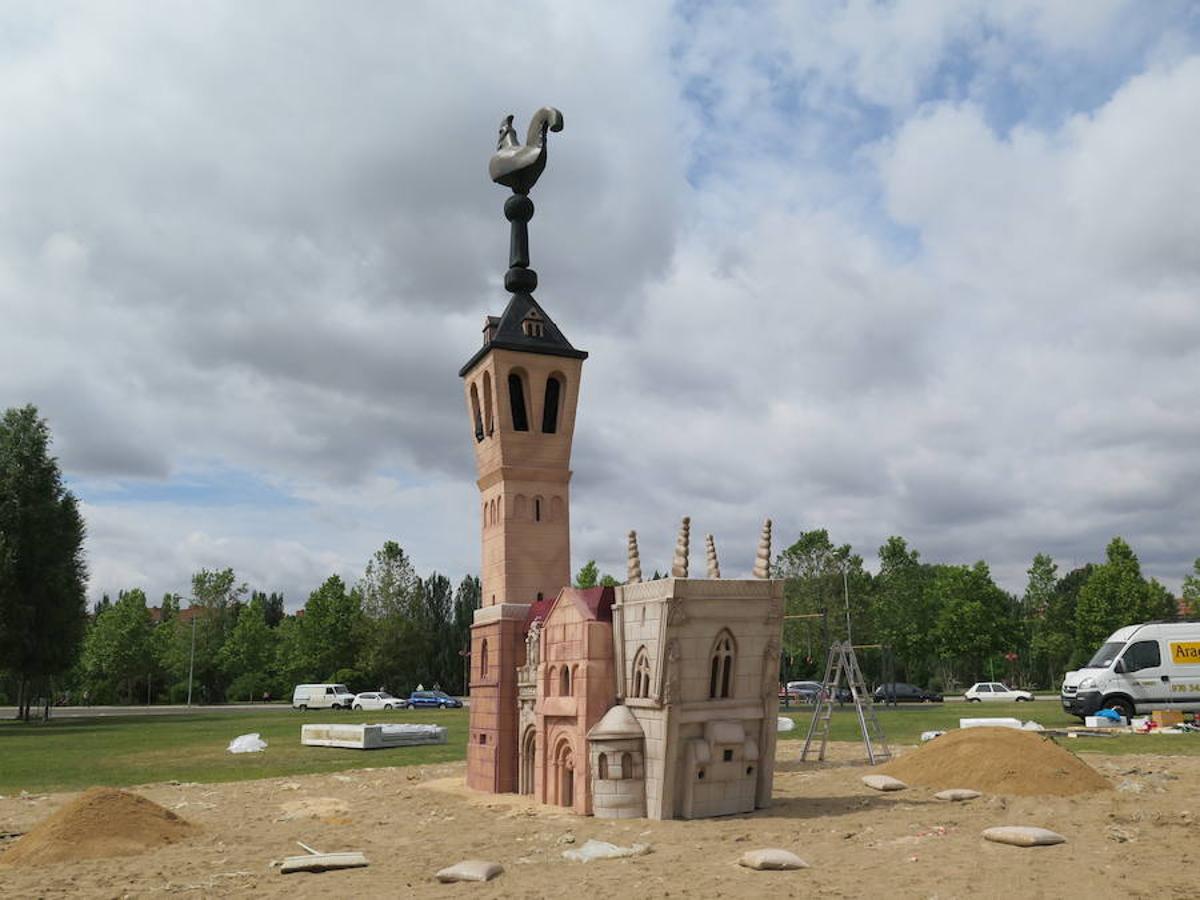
[947,626]
[942,625]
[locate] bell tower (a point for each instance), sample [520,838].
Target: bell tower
[521,388]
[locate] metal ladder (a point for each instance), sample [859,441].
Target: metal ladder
[842,661]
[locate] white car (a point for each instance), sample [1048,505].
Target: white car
[994,690]
[379,700]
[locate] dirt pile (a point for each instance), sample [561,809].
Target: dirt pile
[997,761]
[99,823]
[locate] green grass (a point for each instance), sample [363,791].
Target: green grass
[905,724]
[71,754]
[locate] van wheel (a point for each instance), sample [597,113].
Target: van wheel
[1120,705]
[303,707]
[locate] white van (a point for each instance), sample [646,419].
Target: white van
[1139,668]
[321,696]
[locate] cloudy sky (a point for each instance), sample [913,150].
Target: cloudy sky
[928,269]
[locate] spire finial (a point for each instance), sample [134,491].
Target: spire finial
[710,551]
[762,559]
[634,567]
[679,565]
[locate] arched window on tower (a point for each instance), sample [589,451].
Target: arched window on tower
[489,424]
[720,679]
[475,413]
[516,402]
[551,681]
[564,682]
[641,674]
[602,767]
[483,659]
[626,765]
[550,407]
[537,509]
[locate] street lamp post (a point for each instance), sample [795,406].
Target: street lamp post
[192,659]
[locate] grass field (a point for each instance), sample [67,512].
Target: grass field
[71,754]
[904,725]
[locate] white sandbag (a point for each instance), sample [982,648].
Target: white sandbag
[247,743]
[784,724]
[1032,726]
[956,795]
[771,859]
[930,735]
[470,870]
[884,783]
[603,850]
[1023,836]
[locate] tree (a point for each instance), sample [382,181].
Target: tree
[1115,595]
[1191,591]
[392,596]
[43,609]
[974,618]
[813,569]
[903,614]
[588,576]
[1038,634]
[247,658]
[326,638]
[118,651]
[466,601]
[216,597]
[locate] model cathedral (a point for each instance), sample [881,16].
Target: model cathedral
[651,699]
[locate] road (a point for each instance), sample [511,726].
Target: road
[90,712]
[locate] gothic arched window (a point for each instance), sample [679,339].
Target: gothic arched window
[516,402]
[721,676]
[550,407]
[641,675]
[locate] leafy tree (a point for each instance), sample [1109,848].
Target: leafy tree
[247,658]
[812,569]
[326,638]
[607,580]
[119,651]
[974,618]
[43,608]
[103,604]
[216,595]
[466,600]
[588,576]
[1158,603]
[392,597]
[904,615]
[1114,596]
[1191,590]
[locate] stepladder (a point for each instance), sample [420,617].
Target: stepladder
[842,666]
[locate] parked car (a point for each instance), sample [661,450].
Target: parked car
[379,700]
[439,699]
[994,690]
[804,691]
[901,692]
[321,696]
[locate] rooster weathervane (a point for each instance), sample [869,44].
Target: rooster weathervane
[518,167]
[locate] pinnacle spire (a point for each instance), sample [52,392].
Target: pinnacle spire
[710,551]
[679,565]
[634,567]
[762,559]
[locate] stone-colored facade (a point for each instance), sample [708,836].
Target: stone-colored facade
[699,664]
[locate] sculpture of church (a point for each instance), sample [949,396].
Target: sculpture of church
[654,698]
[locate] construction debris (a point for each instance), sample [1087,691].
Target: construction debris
[316,861]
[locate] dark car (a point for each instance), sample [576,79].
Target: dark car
[438,699]
[900,692]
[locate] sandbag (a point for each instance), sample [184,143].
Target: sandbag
[771,859]
[603,850]
[470,870]
[884,783]
[1023,836]
[956,794]
[247,743]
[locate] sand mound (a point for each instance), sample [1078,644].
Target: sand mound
[98,823]
[997,761]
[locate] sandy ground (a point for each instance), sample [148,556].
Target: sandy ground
[1141,840]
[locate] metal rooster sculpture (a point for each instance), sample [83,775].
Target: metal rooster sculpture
[518,167]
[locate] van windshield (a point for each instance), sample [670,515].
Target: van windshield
[340,689]
[1105,655]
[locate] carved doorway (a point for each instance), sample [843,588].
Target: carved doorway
[528,754]
[564,774]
